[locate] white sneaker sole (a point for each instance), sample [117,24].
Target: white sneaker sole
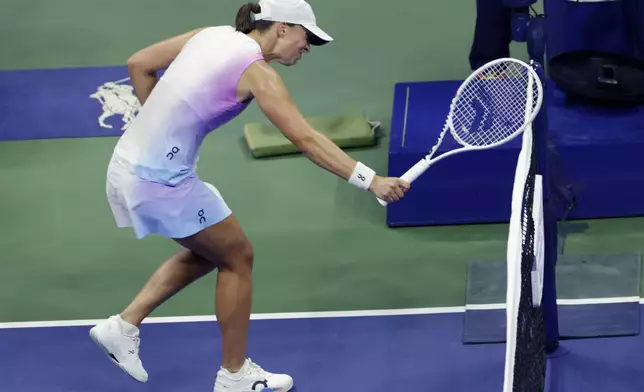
[109,355]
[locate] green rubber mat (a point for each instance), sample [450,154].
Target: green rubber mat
[346,130]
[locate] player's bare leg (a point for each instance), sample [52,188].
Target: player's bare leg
[177,272]
[226,245]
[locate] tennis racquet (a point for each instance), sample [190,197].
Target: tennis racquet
[495,104]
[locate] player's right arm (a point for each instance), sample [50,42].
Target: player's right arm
[266,86]
[145,63]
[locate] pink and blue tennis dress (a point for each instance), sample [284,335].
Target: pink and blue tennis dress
[152,185]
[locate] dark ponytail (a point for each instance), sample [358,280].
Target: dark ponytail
[244,19]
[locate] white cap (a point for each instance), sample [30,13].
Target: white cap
[296,12]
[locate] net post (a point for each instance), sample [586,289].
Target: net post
[536,50]
[549,298]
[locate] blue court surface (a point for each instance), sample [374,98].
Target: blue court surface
[403,352]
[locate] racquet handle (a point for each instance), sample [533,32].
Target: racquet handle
[411,175]
[419,168]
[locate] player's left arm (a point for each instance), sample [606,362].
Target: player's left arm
[144,64]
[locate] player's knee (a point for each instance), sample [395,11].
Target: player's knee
[246,256]
[240,258]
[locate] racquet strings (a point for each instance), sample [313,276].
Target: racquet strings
[493,105]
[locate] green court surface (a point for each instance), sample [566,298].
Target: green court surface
[320,244]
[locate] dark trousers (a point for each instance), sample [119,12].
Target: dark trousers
[492,33]
[633,11]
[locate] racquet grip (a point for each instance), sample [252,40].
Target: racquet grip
[411,175]
[415,171]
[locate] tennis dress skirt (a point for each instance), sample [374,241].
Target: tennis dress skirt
[153,208]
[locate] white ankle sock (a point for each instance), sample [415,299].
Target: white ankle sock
[239,371]
[127,328]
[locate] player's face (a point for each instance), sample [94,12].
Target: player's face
[293,44]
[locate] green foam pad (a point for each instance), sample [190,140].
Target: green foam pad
[346,130]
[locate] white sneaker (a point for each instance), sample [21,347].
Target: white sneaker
[250,378]
[120,342]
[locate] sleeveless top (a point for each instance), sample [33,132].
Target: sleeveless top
[196,95]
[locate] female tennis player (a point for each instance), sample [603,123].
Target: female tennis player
[211,75]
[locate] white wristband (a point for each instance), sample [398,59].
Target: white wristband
[362,176]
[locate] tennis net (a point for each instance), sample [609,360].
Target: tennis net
[525,362]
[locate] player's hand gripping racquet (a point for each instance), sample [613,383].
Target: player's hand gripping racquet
[495,104]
